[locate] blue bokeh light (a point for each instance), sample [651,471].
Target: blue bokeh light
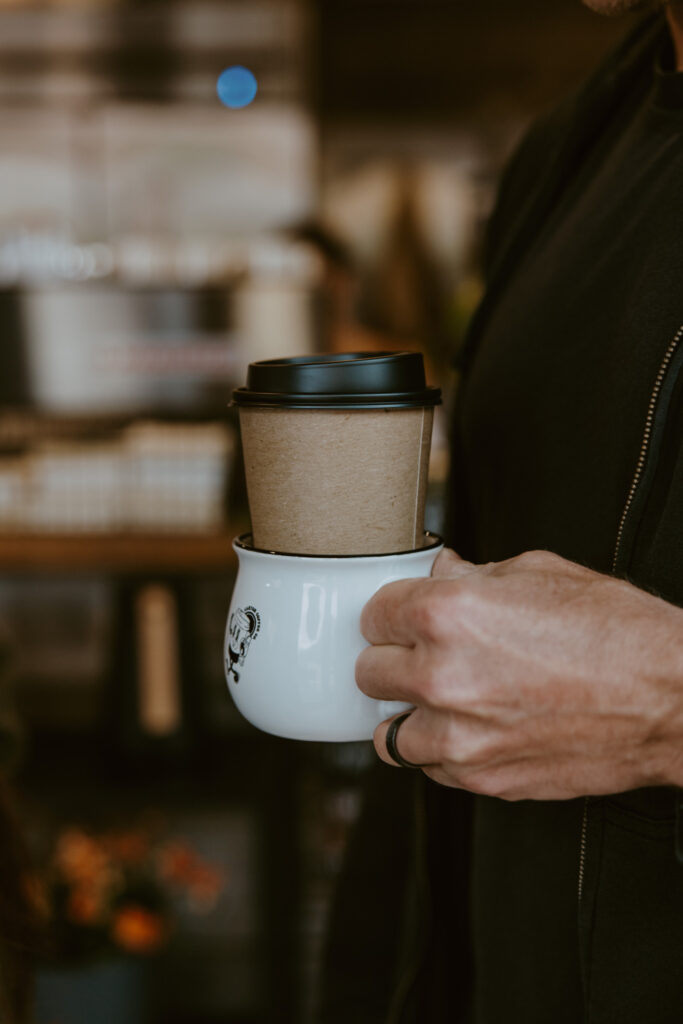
[236,87]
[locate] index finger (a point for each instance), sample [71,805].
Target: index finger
[388,618]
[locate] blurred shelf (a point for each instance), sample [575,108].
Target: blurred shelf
[124,552]
[17,418]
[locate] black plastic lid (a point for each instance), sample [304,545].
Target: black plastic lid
[371,380]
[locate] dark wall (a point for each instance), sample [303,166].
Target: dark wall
[436,59]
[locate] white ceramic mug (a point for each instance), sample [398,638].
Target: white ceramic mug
[293,636]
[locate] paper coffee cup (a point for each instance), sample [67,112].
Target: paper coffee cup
[336,452]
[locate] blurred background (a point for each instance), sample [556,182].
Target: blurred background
[153,241]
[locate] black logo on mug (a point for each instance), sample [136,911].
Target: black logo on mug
[243,627]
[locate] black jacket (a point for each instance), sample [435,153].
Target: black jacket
[629,885]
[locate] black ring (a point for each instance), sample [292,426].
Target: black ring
[392,749]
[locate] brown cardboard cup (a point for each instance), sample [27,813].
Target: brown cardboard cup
[345,477]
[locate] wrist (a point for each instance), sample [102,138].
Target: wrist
[668,738]
[645,648]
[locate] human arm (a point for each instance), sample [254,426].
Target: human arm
[533,678]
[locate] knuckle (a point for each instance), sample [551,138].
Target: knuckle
[474,754]
[531,560]
[440,611]
[433,686]
[473,750]
[428,616]
[472,695]
[445,561]
[469,604]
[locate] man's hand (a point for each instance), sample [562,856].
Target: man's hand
[532,679]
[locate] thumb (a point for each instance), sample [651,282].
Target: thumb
[450,564]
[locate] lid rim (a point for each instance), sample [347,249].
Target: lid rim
[336,379]
[430,396]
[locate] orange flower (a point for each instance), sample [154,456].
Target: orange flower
[138,930]
[79,857]
[84,905]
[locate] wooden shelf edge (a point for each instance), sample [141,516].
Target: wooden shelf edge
[120,552]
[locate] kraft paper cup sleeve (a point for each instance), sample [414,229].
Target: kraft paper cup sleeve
[337,482]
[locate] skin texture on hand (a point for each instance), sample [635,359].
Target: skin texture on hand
[533,678]
[613,8]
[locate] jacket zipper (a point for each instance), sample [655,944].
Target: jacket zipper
[635,483]
[582,847]
[647,437]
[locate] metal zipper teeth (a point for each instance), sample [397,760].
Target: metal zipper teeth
[582,848]
[647,437]
[637,477]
